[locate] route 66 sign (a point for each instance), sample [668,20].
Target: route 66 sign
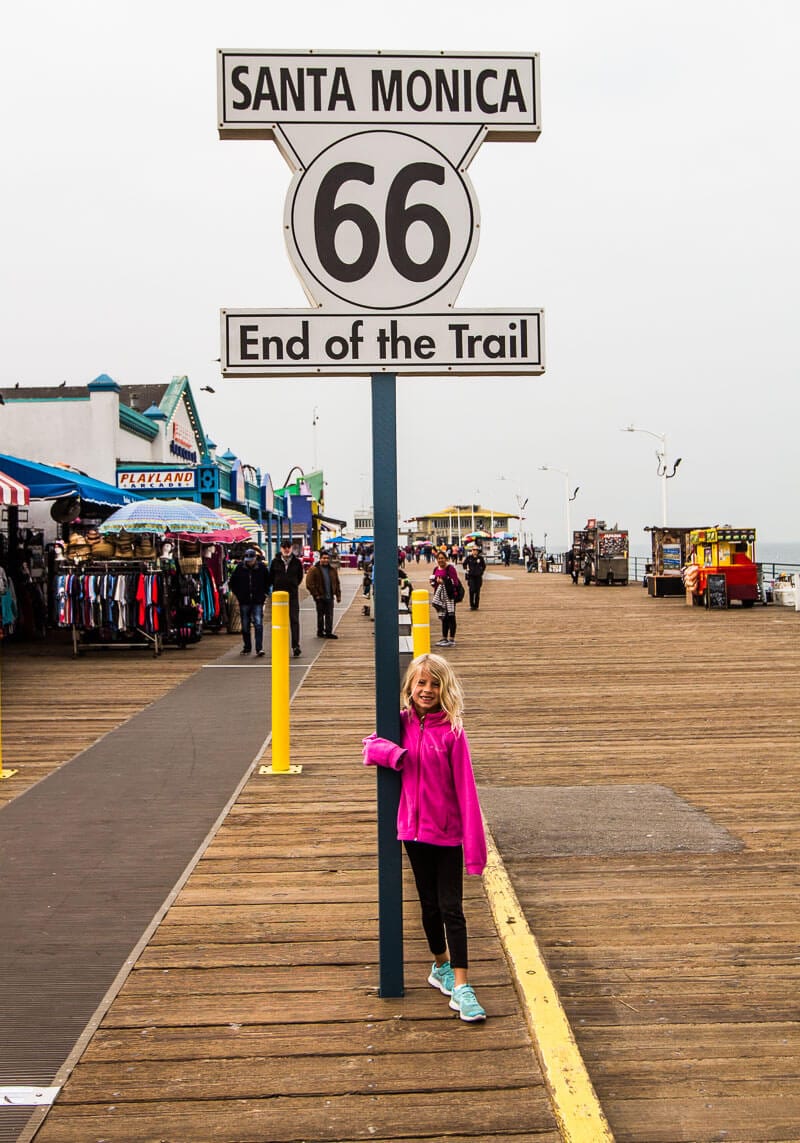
[383,220]
[380,216]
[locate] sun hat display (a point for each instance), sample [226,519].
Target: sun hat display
[77,547]
[123,543]
[102,547]
[143,546]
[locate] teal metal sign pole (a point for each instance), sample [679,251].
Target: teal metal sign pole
[387,678]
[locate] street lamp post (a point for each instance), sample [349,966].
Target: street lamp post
[662,467]
[521,504]
[568,497]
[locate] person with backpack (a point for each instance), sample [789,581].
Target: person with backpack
[448,590]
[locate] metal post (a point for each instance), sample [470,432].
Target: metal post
[387,678]
[664,480]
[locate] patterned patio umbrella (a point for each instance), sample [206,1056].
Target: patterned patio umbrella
[240,520]
[162,516]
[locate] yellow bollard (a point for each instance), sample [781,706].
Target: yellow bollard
[3,773]
[420,622]
[280,687]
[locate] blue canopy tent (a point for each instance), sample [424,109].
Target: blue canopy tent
[47,483]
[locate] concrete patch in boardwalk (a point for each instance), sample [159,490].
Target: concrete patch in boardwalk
[574,821]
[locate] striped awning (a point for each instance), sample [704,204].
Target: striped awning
[12,492]
[241,520]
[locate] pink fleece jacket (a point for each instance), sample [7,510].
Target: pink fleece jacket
[438,799]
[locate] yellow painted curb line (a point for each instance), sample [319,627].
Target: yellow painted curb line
[575,1104]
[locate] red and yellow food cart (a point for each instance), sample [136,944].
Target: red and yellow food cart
[724,559]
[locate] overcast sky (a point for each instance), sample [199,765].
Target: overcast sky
[655,221]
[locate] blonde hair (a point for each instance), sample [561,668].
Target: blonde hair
[451,695]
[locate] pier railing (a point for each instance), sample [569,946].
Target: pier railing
[638,567]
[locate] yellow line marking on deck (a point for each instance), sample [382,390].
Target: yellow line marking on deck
[575,1104]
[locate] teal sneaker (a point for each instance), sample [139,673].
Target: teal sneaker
[465,1003]
[442,977]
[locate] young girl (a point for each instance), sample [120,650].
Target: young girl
[444,581]
[439,819]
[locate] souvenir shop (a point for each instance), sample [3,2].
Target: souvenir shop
[157,589]
[153,585]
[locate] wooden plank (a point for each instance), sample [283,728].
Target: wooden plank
[231,1041]
[265,1077]
[283,1119]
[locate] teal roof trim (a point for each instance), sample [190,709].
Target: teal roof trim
[137,423]
[177,390]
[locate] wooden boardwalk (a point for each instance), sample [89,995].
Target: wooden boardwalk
[252,1013]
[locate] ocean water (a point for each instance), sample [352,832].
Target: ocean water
[784,554]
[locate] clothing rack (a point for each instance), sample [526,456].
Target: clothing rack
[112,604]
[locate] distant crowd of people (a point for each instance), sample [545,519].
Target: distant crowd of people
[252,581]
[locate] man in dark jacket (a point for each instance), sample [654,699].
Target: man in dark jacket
[474,567]
[322,581]
[286,574]
[250,584]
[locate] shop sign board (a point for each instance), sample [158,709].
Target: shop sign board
[381,220]
[296,343]
[144,480]
[259,91]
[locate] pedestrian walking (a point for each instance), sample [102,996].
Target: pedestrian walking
[322,581]
[249,582]
[446,586]
[474,567]
[286,574]
[439,817]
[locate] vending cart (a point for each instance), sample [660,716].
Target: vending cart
[726,567]
[670,550]
[600,553]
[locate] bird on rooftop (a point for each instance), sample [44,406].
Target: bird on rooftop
[207,389]
[62,385]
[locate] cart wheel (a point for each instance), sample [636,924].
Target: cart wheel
[748,602]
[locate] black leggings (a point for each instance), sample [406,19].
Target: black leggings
[449,625]
[439,873]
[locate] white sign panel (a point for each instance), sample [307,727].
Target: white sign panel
[257,90]
[258,343]
[143,479]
